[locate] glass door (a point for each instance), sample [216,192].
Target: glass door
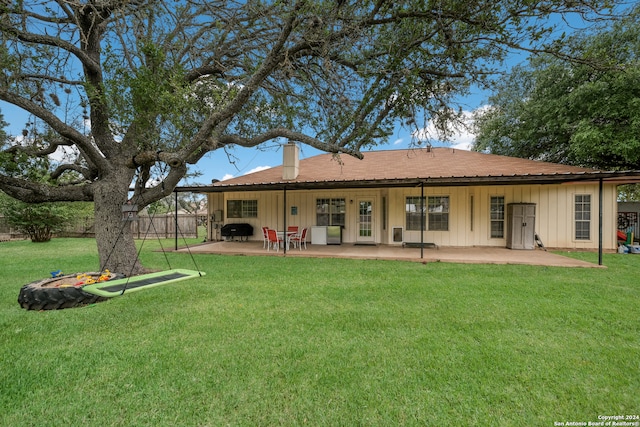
[365,221]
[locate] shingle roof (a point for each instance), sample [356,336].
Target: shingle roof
[434,166]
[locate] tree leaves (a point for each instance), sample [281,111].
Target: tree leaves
[583,113]
[187,78]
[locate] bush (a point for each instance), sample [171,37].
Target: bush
[38,221]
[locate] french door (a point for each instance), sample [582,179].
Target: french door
[365,221]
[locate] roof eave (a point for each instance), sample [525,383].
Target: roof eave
[626,177]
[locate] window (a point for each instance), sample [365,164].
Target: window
[242,208]
[330,211]
[583,216]
[497,217]
[438,213]
[436,206]
[414,212]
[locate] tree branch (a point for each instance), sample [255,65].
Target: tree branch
[86,60]
[66,131]
[291,135]
[33,192]
[86,173]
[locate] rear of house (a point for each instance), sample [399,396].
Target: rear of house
[440,196]
[566,216]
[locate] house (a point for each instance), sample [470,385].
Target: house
[439,196]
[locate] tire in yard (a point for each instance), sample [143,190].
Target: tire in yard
[49,294]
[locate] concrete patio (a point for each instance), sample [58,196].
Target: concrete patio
[479,255]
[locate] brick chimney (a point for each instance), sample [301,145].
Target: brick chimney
[290,161]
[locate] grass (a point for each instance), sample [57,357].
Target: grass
[294,341]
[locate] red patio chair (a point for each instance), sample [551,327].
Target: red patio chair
[273,240]
[265,237]
[300,239]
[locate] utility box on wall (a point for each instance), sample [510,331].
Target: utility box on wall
[521,225]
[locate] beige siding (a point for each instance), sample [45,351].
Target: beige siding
[469,222]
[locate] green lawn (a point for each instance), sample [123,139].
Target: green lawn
[291,341]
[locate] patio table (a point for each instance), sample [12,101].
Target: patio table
[281,234]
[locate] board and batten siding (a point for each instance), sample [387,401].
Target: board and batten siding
[469,212]
[555,213]
[469,222]
[271,208]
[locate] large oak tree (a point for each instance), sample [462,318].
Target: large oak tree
[573,112]
[123,86]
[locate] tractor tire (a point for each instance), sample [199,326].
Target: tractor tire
[44,295]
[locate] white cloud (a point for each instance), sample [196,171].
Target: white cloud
[461,136]
[463,139]
[63,153]
[258,169]
[463,145]
[398,141]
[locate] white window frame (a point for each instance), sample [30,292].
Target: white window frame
[576,220]
[492,220]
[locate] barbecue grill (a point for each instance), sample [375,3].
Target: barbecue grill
[242,230]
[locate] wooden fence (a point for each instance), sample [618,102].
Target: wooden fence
[157,226]
[8,232]
[164,226]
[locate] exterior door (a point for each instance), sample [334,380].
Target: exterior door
[365,221]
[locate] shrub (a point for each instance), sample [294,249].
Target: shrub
[39,221]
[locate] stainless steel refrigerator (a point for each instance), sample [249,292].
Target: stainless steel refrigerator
[334,235]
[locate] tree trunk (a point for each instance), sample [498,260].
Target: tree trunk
[40,234]
[116,246]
